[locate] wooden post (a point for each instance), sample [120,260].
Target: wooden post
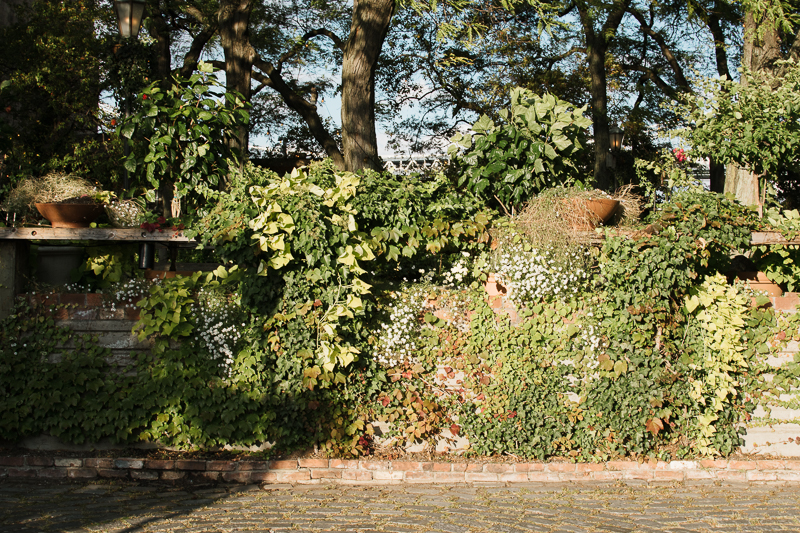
[13,266]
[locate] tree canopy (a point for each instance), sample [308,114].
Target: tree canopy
[422,70]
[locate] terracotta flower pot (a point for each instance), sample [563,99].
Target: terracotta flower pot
[589,213]
[70,215]
[758,281]
[493,286]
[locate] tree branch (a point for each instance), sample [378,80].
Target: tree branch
[309,35]
[551,61]
[653,76]
[680,79]
[263,80]
[196,13]
[566,10]
[304,108]
[193,55]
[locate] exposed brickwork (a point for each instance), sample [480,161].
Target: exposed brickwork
[68,462]
[159,464]
[83,306]
[349,471]
[131,464]
[221,466]
[33,460]
[190,465]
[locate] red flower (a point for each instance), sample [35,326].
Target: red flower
[144,97]
[113,122]
[162,220]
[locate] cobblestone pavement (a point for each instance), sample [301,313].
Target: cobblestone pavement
[117,507]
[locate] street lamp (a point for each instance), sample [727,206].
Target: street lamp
[129,17]
[615,136]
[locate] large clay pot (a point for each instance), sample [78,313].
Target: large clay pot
[589,213]
[758,281]
[70,215]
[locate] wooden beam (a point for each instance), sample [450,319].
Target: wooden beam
[92,234]
[771,237]
[177,236]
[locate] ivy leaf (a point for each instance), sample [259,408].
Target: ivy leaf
[654,425]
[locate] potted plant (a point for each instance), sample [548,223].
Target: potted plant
[126,214]
[65,200]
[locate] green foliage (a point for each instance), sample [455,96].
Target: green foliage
[70,396]
[302,241]
[108,265]
[534,147]
[654,355]
[53,74]
[297,240]
[181,137]
[658,357]
[182,397]
[664,175]
[405,215]
[756,126]
[781,263]
[715,358]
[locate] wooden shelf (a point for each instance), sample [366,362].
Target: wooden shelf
[771,237]
[92,234]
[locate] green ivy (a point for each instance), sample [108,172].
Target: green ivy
[533,148]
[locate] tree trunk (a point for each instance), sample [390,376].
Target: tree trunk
[162,67]
[234,23]
[368,30]
[596,48]
[720,52]
[716,174]
[741,183]
[758,55]
[602,144]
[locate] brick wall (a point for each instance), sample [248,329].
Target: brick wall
[86,313]
[342,471]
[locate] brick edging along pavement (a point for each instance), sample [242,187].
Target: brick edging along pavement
[377,472]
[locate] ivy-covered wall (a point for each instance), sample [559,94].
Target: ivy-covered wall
[316,326]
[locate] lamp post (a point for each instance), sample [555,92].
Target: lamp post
[129,20]
[129,17]
[615,136]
